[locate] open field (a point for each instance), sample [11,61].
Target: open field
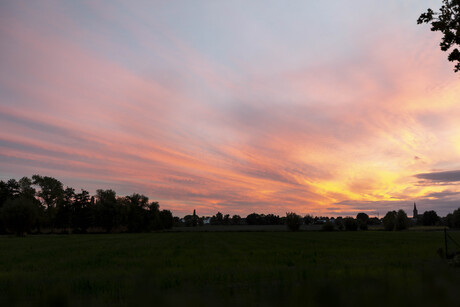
[228,269]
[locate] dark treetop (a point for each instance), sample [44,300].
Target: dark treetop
[447,20]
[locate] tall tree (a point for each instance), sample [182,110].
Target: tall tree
[106,209]
[8,190]
[389,221]
[447,21]
[167,220]
[82,212]
[64,209]
[236,219]
[137,215]
[154,216]
[51,191]
[25,187]
[402,221]
[363,220]
[217,219]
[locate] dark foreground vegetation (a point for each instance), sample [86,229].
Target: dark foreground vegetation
[375,268]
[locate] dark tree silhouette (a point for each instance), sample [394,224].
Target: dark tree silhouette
[167,220]
[402,221]
[339,223]
[136,213]
[25,187]
[217,219]
[226,220]
[64,209]
[193,220]
[350,224]
[293,221]
[374,221]
[253,219]
[155,222]
[236,219]
[53,206]
[189,221]
[82,212]
[106,209]
[308,219]
[447,21]
[19,214]
[8,190]
[363,220]
[51,190]
[455,219]
[389,221]
[271,219]
[430,218]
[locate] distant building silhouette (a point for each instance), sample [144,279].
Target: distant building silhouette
[415,215]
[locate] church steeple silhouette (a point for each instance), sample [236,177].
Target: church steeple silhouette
[415,211]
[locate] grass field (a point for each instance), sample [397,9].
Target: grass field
[228,269]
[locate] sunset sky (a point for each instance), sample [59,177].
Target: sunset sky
[321,107]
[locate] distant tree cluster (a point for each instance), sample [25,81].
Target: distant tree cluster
[262,219]
[227,219]
[396,220]
[361,222]
[25,209]
[430,218]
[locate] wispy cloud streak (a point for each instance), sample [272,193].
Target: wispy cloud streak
[185,105]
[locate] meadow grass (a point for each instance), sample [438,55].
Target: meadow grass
[228,269]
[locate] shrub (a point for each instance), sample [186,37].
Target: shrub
[362,225]
[402,222]
[339,223]
[293,221]
[167,220]
[328,226]
[308,219]
[350,224]
[389,221]
[236,219]
[363,220]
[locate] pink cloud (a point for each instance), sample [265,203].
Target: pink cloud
[217,138]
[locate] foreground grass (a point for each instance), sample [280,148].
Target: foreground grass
[227,268]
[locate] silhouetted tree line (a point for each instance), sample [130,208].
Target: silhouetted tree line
[25,209]
[227,219]
[262,219]
[393,220]
[51,208]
